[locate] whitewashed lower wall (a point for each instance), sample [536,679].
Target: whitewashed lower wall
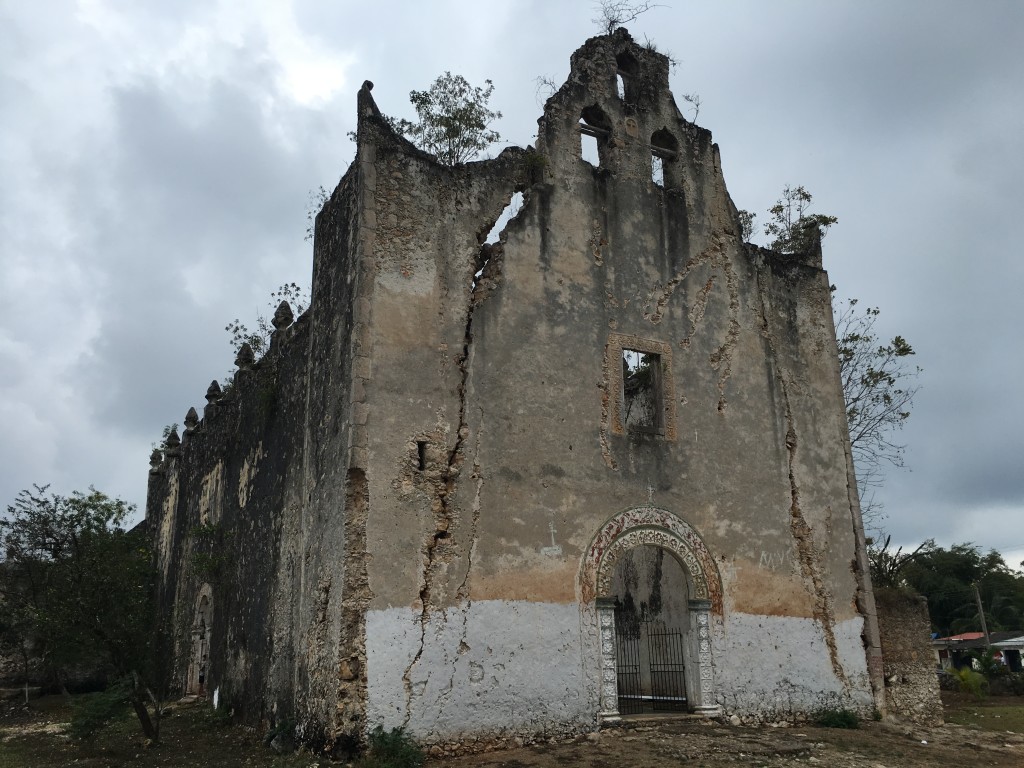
[493,668]
[504,669]
[771,668]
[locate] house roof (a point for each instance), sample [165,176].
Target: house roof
[963,636]
[1013,642]
[974,640]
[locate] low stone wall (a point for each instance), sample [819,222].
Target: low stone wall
[911,681]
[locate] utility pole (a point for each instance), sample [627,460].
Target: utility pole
[981,613]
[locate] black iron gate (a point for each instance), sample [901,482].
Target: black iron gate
[650,665]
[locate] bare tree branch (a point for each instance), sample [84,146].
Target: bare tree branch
[612,14]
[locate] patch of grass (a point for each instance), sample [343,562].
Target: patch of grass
[837,718]
[92,711]
[999,718]
[391,749]
[191,735]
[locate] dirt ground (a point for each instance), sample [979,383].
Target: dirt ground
[703,743]
[994,735]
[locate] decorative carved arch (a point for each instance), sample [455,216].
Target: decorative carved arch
[659,527]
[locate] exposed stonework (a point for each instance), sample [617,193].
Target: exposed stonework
[909,663]
[413,509]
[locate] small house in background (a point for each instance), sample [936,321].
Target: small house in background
[958,651]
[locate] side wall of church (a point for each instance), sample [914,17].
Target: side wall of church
[250,510]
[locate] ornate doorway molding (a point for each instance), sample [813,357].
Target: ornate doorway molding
[650,525]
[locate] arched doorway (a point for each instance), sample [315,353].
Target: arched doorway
[199,657]
[654,529]
[652,619]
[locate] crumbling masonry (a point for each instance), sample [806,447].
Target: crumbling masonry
[488,491]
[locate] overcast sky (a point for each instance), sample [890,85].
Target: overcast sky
[156,161]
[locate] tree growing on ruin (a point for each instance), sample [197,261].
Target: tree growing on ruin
[83,588]
[453,119]
[258,338]
[746,225]
[612,14]
[791,226]
[879,380]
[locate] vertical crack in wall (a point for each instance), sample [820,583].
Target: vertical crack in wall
[721,359]
[716,256]
[606,407]
[654,309]
[438,548]
[696,313]
[462,594]
[803,535]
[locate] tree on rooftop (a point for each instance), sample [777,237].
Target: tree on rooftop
[453,119]
[258,339]
[879,382]
[612,14]
[792,227]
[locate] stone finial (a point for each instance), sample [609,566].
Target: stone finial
[191,419]
[283,316]
[245,358]
[155,459]
[173,443]
[213,393]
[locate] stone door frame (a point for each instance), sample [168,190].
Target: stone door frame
[650,525]
[199,650]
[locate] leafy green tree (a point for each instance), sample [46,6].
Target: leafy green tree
[746,225]
[453,119]
[879,384]
[791,227]
[83,586]
[258,339]
[947,578]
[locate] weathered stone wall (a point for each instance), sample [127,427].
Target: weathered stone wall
[911,680]
[248,511]
[223,504]
[513,381]
[450,474]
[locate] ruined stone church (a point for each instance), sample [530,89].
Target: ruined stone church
[489,490]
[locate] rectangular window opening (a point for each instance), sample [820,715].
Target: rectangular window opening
[421,455]
[591,138]
[642,391]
